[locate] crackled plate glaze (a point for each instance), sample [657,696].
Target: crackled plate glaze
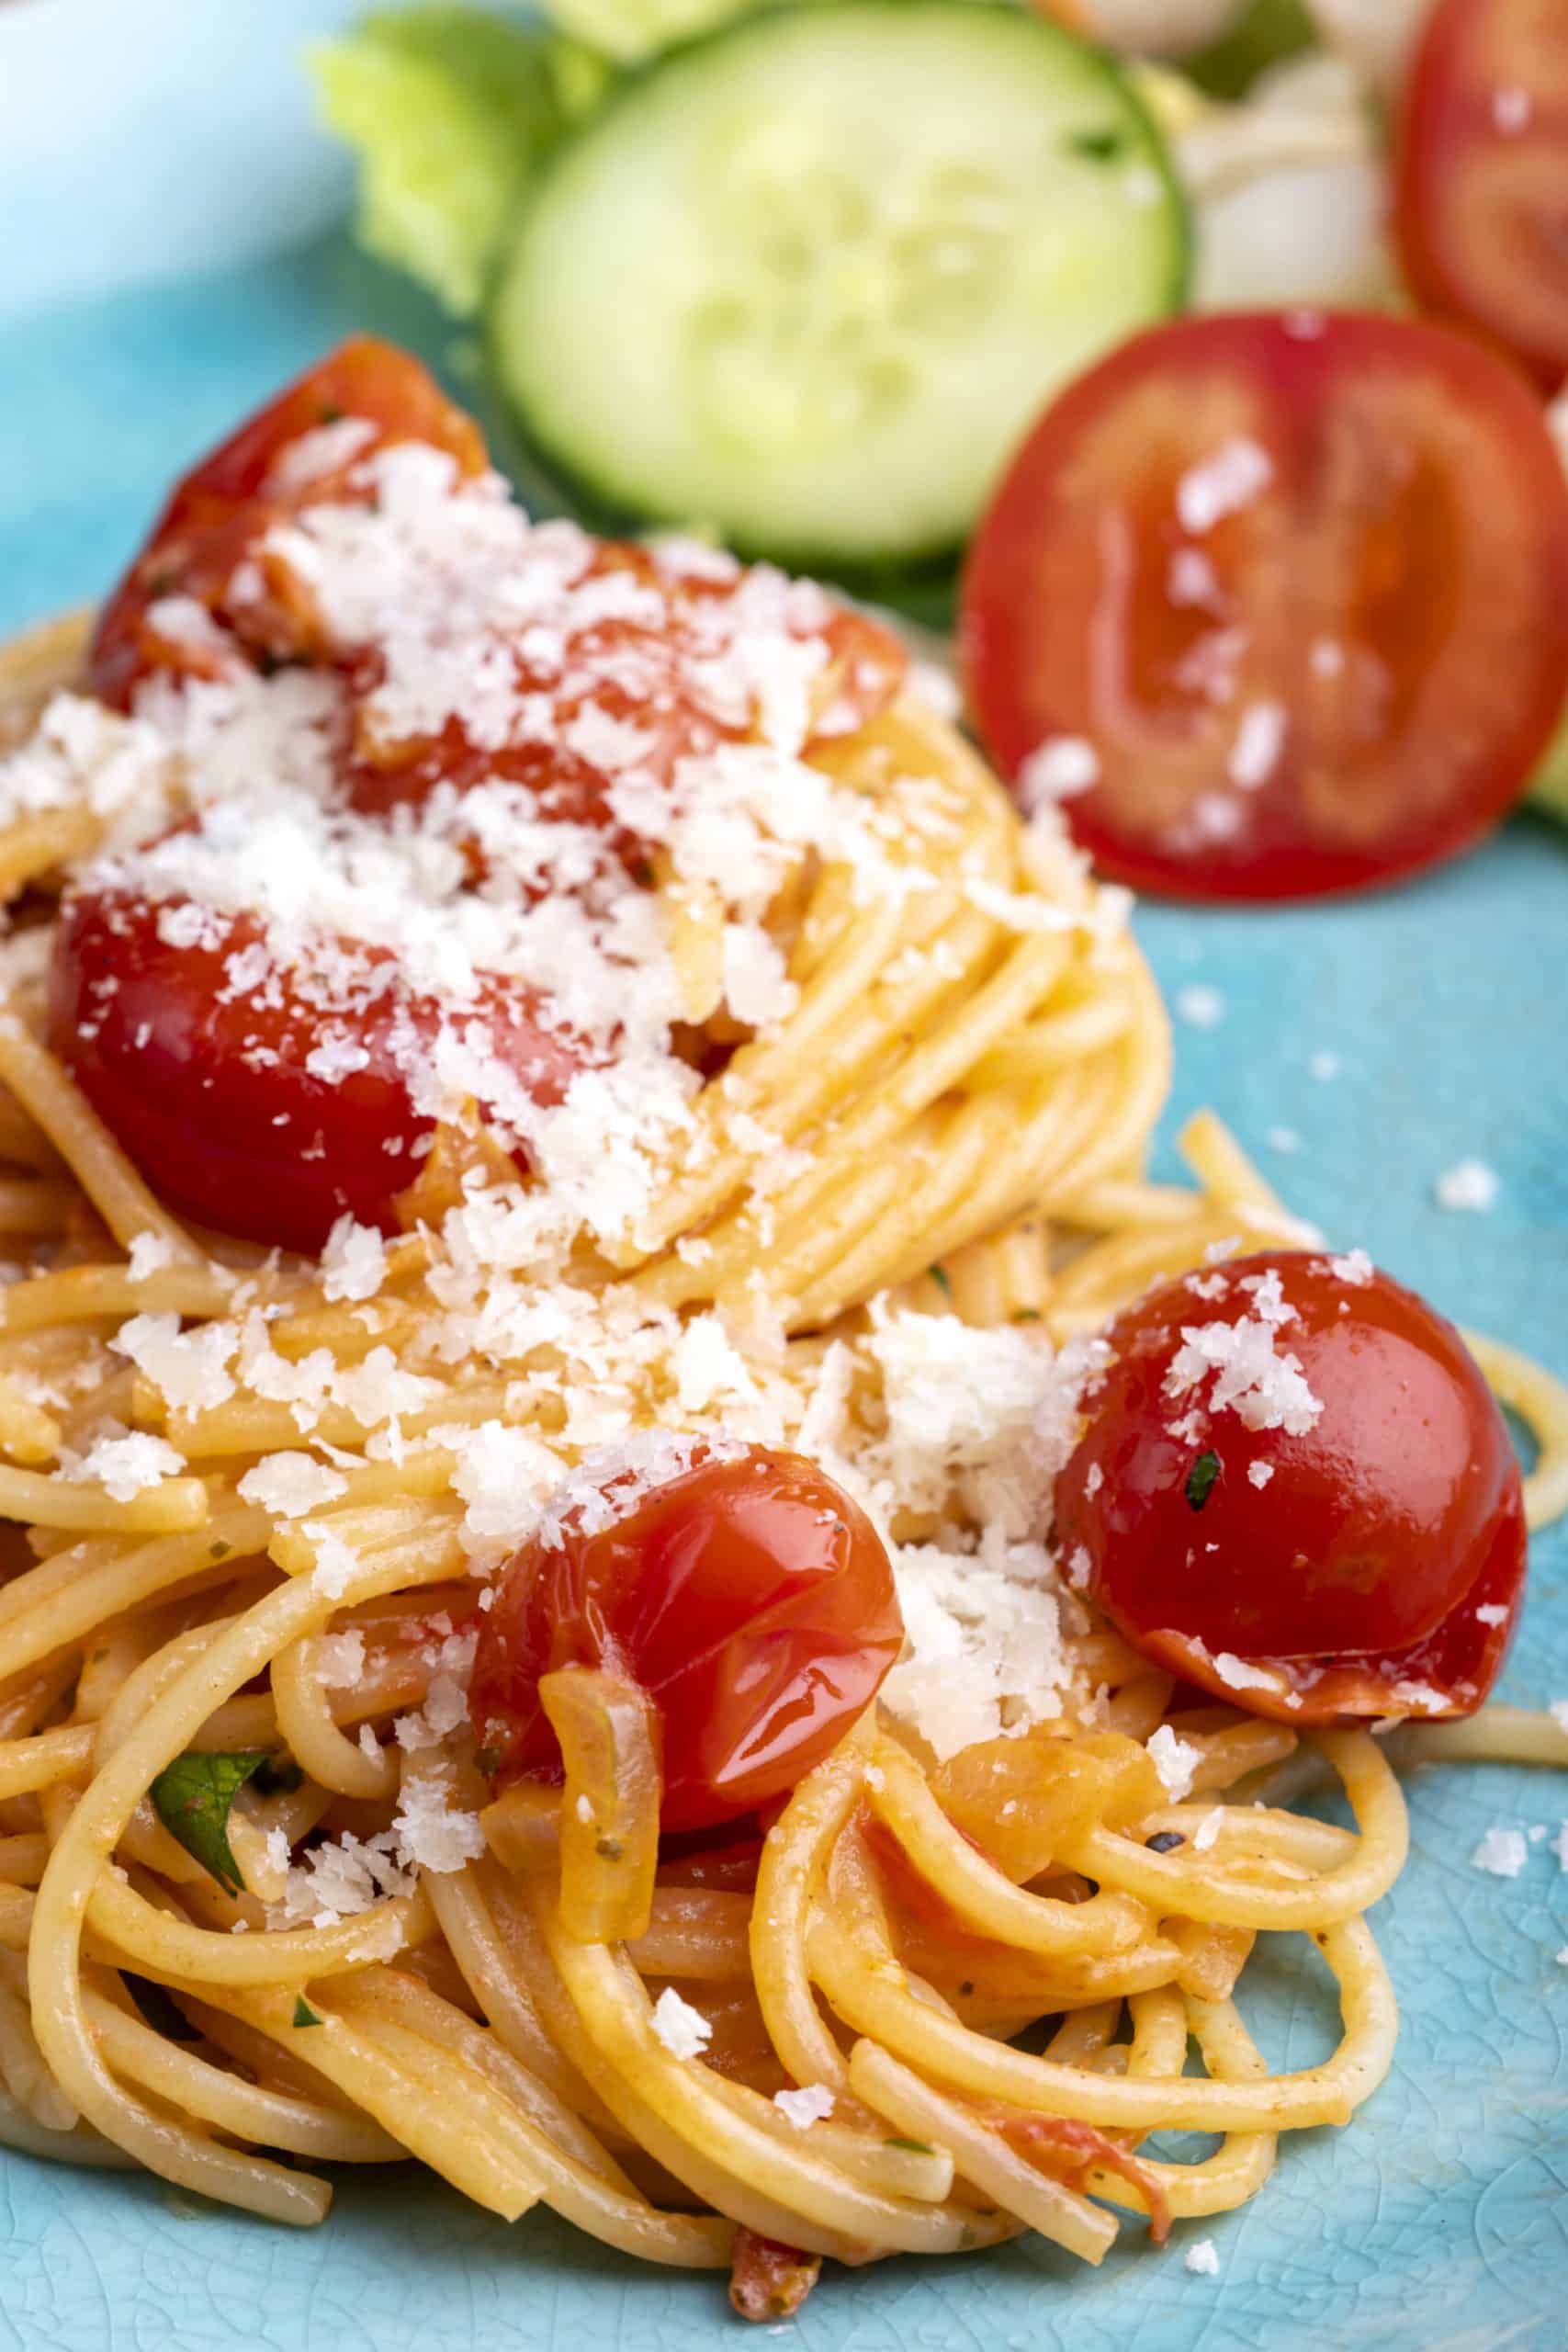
[1439,2220]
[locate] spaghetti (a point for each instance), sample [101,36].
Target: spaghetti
[256,1502]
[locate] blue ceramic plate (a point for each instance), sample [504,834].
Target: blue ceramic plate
[172,251]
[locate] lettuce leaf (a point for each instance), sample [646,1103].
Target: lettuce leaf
[448,109]
[1266,34]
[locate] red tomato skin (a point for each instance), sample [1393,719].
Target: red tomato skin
[749,1595]
[1362,1560]
[1473,56]
[213,1101]
[867,667]
[1453,614]
[223,506]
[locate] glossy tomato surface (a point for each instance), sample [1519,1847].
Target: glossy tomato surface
[218,513]
[1482,166]
[212,1093]
[747,1595]
[1296,1490]
[239,1107]
[1291,589]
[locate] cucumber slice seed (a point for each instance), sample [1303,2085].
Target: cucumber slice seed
[807,281]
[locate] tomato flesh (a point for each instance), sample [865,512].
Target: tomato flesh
[1482,172]
[1301,586]
[211,1093]
[1345,1551]
[748,1594]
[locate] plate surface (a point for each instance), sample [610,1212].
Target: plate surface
[1438,2222]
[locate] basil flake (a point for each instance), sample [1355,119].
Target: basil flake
[194,1796]
[304,2013]
[1200,1479]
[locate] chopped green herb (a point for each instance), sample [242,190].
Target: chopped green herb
[194,1796]
[966,1987]
[609,1848]
[942,1280]
[218,1551]
[912,2147]
[1026,1315]
[277,1776]
[304,2013]
[330,413]
[448,109]
[158,2008]
[1200,1479]
[1097,146]
[97,1656]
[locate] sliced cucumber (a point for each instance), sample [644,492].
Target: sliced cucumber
[807,281]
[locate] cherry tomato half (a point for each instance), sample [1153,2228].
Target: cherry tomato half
[218,513]
[747,1595]
[1481,169]
[1296,1490]
[211,1092]
[634,631]
[1300,584]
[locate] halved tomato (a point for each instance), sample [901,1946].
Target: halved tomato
[217,516]
[249,1108]
[1284,598]
[1483,175]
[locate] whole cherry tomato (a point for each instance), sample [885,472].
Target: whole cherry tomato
[1296,1490]
[747,1595]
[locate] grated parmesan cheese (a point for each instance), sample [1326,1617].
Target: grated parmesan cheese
[1201,1006]
[353,1262]
[1504,1852]
[1469,1185]
[289,1485]
[812,2103]
[1176,1760]
[150,1253]
[684,2030]
[124,1463]
[1265,1389]
[1222,484]
[1058,769]
[339,1659]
